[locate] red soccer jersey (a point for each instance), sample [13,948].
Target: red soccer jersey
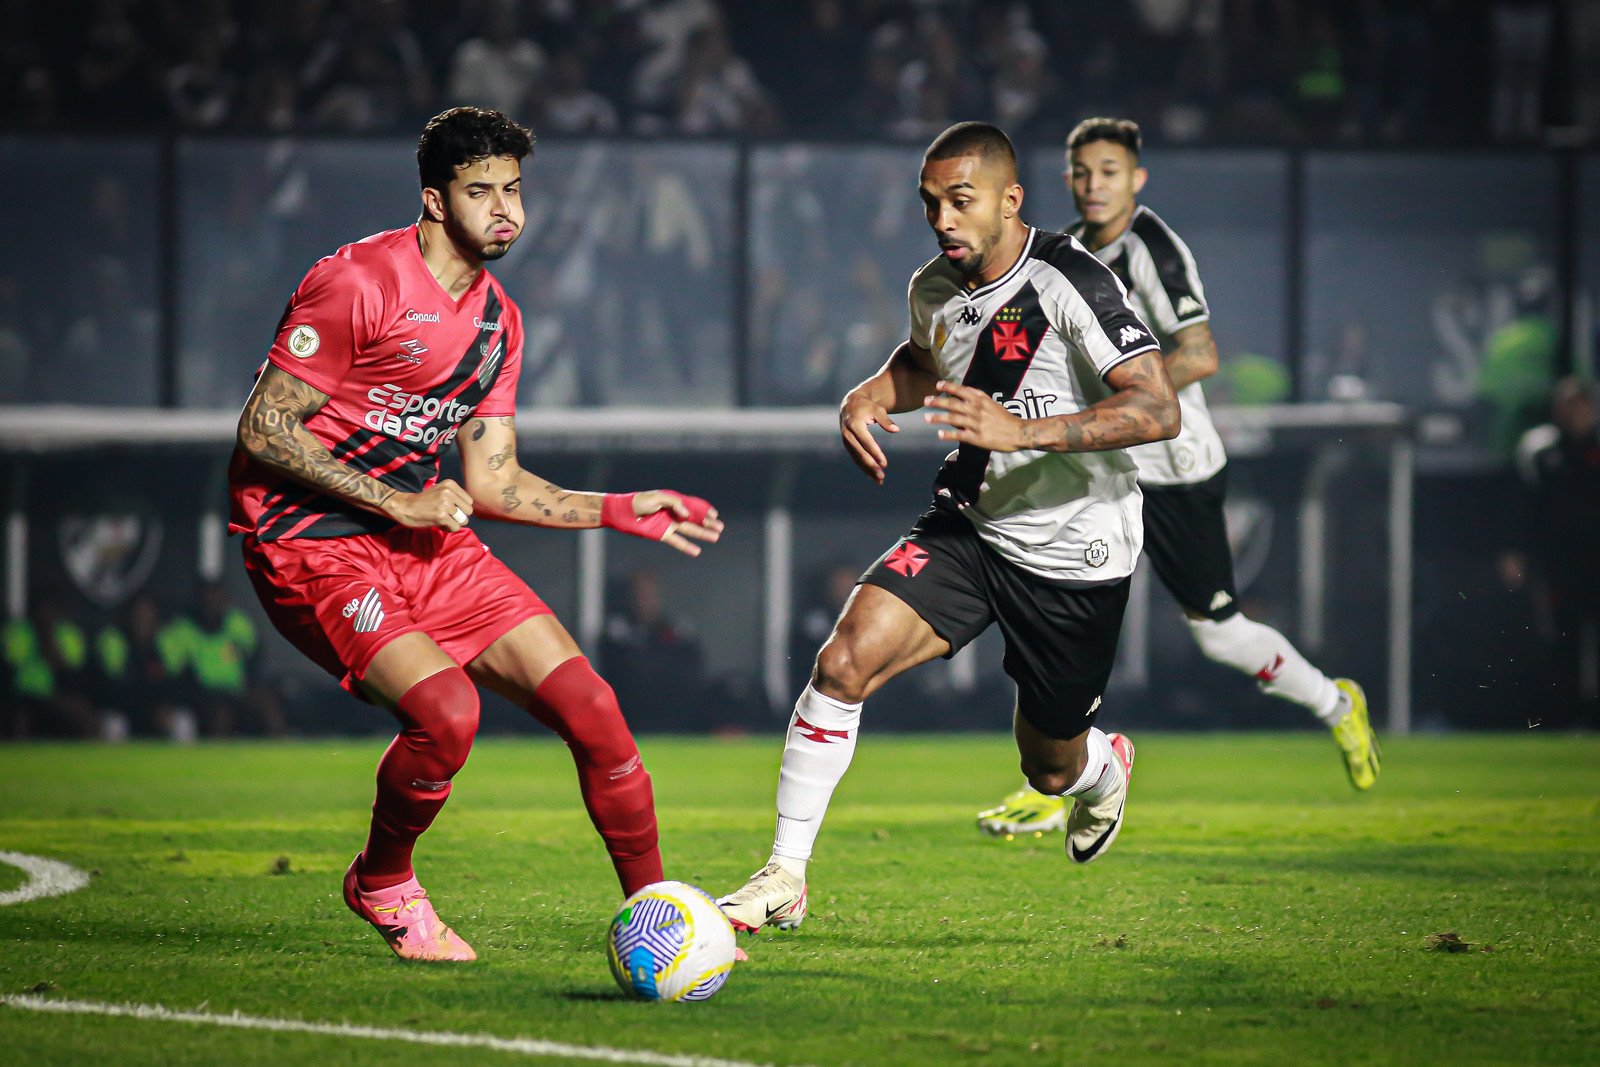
[403,366]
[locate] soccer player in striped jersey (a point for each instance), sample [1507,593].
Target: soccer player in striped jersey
[390,350]
[1184,479]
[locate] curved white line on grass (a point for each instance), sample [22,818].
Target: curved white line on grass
[46,878]
[526,1045]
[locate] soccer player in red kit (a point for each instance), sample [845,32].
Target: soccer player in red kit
[390,350]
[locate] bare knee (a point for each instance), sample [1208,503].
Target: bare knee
[839,672]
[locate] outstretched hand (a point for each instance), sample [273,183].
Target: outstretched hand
[665,516]
[974,417]
[857,415]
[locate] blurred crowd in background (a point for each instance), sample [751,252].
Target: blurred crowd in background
[1191,71]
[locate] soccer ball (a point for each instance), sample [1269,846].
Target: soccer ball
[670,941]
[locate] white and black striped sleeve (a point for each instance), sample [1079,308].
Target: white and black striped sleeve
[1166,275]
[1090,307]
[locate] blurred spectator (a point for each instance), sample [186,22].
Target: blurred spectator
[653,660]
[570,106]
[47,658]
[218,650]
[369,73]
[1522,34]
[29,88]
[498,68]
[16,350]
[115,68]
[814,621]
[1560,467]
[138,667]
[201,89]
[665,29]
[719,92]
[113,329]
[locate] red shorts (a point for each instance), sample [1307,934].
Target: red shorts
[341,599]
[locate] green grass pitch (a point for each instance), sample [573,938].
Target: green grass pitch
[1255,909]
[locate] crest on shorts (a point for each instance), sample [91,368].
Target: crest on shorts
[109,556]
[907,559]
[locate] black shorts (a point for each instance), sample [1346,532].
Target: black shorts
[1061,638]
[1186,538]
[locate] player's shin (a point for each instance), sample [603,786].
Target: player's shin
[817,752]
[440,717]
[1279,668]
[582,709]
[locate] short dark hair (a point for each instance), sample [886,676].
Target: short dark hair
[465,135]
[1124,132]
[981,139]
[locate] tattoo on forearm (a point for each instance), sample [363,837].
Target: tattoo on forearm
[509,500]
[1143,409]
[272,430]
[498,460]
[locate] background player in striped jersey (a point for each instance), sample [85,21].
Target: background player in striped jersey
[390,350]
[1184,479]
[1035,518]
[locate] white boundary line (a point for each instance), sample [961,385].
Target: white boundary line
[525,1045]
[46,878]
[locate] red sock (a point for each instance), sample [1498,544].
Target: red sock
[578,705]
[438,716]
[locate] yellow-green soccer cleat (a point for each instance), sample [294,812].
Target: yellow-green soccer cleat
[1027,811]
[1362,757]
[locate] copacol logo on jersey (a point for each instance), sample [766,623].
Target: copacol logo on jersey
[303,342]
[109,556]
[395,416]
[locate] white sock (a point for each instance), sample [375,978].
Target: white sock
[1265,654]
[1102,771]
[821,741]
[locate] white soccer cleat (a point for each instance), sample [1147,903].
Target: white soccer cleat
[1091,830]
[772,897]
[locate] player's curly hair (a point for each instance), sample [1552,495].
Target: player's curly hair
[1124,132]
[465,135]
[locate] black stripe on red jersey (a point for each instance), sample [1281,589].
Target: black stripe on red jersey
[396,463]
[1000,360]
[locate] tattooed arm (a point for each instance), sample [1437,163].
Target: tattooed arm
[1194,357]
[1143,408]
[503,490]
[272,431]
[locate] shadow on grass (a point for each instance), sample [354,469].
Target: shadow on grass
[594,995]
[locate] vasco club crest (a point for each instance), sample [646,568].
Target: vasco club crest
[109,556]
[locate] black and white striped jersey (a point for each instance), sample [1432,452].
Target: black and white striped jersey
[1164,286]
[1039,340]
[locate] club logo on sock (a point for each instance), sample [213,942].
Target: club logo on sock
[626,769]
[907,559]
[1270,671]
[818,734]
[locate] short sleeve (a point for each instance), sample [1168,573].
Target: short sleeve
[329,319]
[1167,276]
[501,401]
[1092,308]
[921,318]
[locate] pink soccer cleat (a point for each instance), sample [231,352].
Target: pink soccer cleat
[406,919]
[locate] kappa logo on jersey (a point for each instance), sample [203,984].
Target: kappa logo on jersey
[1010,339]
[303,342]
[1188,305]
[368,612]
[1220,600]
[969,316]
[818,734]
[907,559]
[1128,335]
[1097,553]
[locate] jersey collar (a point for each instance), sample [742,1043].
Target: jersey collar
[414,245]
[1027,250]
